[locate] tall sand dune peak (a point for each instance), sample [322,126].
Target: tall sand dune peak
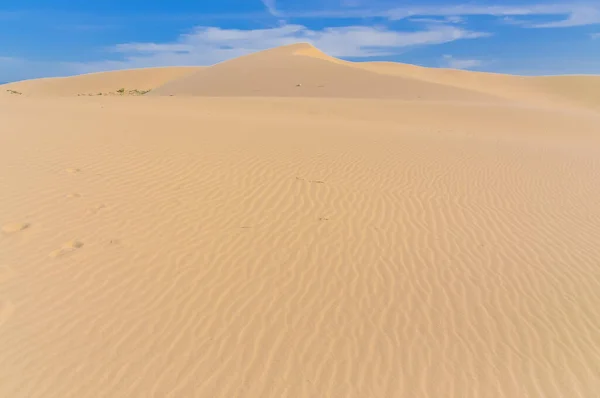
[301,70]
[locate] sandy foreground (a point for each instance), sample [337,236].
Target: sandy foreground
[185,246]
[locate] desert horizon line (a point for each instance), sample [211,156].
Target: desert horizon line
[309,45]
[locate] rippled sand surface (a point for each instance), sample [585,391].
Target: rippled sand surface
[315,247]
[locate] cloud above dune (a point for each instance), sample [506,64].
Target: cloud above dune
[580,16]
[568,14]
[209,45]
[270,6]
[452,62]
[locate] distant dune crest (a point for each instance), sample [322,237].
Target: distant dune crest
[301,70]
[102,83]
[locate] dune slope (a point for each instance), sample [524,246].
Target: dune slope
[576,91]
[302,71]
[104,82]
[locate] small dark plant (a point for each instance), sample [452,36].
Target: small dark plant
[138,92]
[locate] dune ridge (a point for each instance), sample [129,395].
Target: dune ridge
[102,82]
[545,90]
[301,70]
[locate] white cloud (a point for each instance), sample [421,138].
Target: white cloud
[466,10]
[513,21]
[573,14]
[439,20]
[578,17]
[459,63]
[209,45]
[270,6]
[455,19]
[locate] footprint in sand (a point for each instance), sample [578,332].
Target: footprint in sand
[67,248]
[15,227]
[94,210]
[73,170]
[311,181]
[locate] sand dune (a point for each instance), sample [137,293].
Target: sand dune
[302,71]
[547,90]
[301,247]
[95,83]
[580,90]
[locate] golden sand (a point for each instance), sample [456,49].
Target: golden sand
[398,232]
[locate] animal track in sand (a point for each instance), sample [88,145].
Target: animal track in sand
[68,247]
[15,227]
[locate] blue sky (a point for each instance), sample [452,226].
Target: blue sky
[40,38]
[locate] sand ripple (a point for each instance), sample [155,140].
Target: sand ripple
[312,252]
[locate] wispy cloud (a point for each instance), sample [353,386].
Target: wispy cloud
[452,62]
[513,21]
[567,13]
[439,20]
[474,10]
[271,7]
[571,14]
[595,35]
[577,17]
[209,45]
[455,19]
